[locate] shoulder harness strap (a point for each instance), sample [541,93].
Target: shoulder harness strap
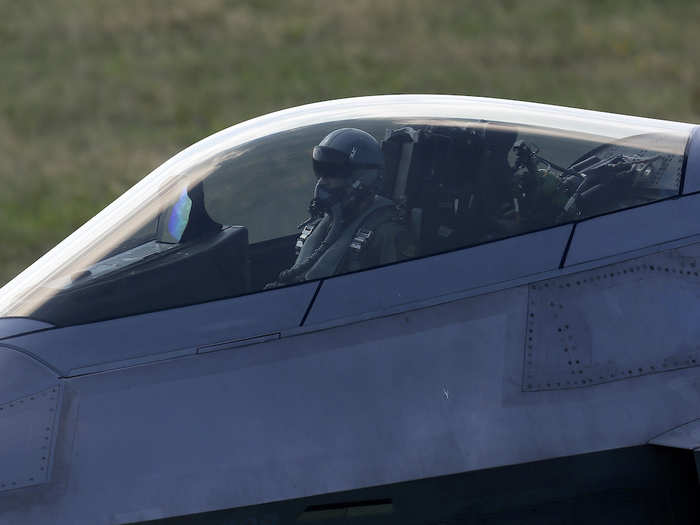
[365,233]
[308,229]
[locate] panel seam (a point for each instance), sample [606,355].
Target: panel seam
[568,245]
[686,155]
[311,303]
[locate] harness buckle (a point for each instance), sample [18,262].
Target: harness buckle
[360,240]
[303,236]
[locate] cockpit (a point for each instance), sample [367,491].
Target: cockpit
[221,219]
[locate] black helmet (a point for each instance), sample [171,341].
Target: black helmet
[346,150]
[350,154]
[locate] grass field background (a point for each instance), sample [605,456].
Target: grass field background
[94,94]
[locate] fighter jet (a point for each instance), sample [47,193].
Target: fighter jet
[407,309]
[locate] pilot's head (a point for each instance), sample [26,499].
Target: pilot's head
[348,164]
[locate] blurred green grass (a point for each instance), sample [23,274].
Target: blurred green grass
[94,93]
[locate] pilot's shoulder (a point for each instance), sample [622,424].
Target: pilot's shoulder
[391,227]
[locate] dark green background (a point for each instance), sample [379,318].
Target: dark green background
[94,94]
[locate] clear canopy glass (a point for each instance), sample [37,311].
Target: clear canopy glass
[221,218]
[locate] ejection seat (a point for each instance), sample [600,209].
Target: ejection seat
[450,181]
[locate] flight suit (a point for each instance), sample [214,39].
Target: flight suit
[373,238]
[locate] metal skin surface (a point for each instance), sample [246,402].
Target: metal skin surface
[22,375]
[414,370]
[604,324]
[169,333]
[427,392]
[685,436]
[346,296]
[29,397]
[440,392]
[634,229]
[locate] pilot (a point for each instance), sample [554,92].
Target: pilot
[350,227]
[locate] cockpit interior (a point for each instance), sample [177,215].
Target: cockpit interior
[226,223]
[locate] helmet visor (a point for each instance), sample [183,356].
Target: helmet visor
[329,162]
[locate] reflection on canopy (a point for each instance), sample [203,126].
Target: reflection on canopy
[177,222]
